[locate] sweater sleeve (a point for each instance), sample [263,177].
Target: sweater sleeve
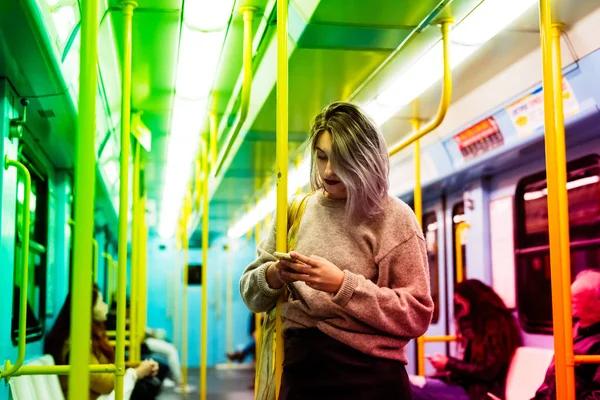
[254,289]
[400,303]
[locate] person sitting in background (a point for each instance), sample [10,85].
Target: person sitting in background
[585,292]
[487,334]
[250,348]
[58,344]
[154,344]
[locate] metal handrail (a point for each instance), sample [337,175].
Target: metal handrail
[458,250]
[205,233]
[128,6]
[576,244]
[281,155]
[248,12]
[9,369]
[446,95]
[421,349]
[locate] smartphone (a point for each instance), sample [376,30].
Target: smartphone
[283,256]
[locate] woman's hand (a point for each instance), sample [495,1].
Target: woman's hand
[317,272]
[439,361]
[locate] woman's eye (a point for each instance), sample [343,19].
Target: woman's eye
[321,157]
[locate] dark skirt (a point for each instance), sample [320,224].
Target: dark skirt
[319,367]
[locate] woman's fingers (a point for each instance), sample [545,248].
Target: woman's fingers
[297,267]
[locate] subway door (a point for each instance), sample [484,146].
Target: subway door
[433,231]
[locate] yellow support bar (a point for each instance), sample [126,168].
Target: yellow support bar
[446,95]
[558,213]
[128,7]
[460,228]
[282,166]
[421,349]
[134,351]
[109,276]
[581,359]
[248,12]
[8,369]
[95,259]
[213,139]
[63,369]
[415,122]
[257,323]
[229,322]
[184,308]
[205,234]
[143,277]
[85,183]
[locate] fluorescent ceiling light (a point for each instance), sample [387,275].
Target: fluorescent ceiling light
[297,179]
[198,61]
[482,24]
[208,15]
[64,21]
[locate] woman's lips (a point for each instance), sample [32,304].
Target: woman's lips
[330,182]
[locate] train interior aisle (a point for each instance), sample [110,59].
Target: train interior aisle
[178,107]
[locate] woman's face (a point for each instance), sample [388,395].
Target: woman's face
[461,306]
[334,187]
[100,309]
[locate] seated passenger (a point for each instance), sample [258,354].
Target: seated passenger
[487,334]
[585,293]
[57,344]
[155,345]
[250,348]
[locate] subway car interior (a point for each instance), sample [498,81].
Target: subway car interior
[148,146]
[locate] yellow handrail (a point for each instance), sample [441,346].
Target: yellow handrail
[128,6]
[205,233]
[109,275]
[95,260]
[10,370]
[85,178]
[418,134]
[446,95]
[257,324]
[134,351]
[187,209]
[281,154]
[584,359]
[143,278]
[558,217]
[62,369]
[248,12]
[421,349]
[460,228]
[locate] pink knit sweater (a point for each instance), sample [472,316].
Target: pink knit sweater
[385,297]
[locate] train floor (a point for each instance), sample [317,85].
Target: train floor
[222,384]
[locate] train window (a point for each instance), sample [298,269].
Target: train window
[458,216]
[38,241]
[430,230]
[534,296]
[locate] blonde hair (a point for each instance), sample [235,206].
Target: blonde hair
[359,157]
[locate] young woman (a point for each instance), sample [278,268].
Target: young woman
[359,279]
[488,336]
[57,344]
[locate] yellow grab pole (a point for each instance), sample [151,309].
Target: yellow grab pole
[213,139]
[8,368]
[257,324]
[558,217]
[128,7]
[229,323]
[177,280]
[143,277]
[85,182]
[415,122]
[582,359]
[248,12]
[282,166]
[184,307]
[95,259]
[135,263]
[460,228]
[446,95]
[205,235]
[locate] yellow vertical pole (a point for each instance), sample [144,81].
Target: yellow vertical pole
[282,165]
[558,212]
[415,122]
[128,7]
[95,259]
[143,277]
[85,178]
[205,236]
[257,323]
[134,344]
[229,293]
[177,280]
[213,139]
[184,307]
[460,229]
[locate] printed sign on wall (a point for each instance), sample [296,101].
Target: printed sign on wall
[527,114]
